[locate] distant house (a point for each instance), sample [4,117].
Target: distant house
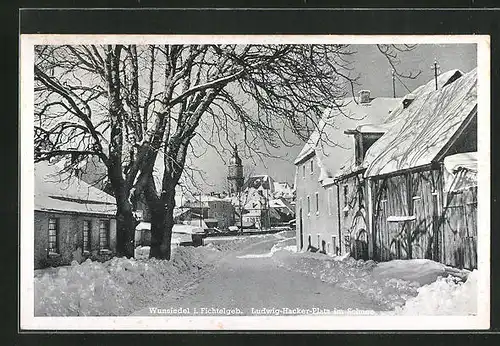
[73,220]
[396,198]
[214,212]
[182,235]
[284,190]
[324,153]
[260,183]
[281,211]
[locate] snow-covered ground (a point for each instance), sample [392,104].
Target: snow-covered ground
[118,286]
[286,244]
[446,296]
[121,286]
[405,287]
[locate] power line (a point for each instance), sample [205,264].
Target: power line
[399,79]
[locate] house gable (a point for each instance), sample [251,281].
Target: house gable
[426,128]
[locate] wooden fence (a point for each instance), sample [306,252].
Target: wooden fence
[459,225]
[414,219]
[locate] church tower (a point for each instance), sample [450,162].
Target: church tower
[235,174]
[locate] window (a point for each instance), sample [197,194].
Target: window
[308,205]
[329,194]
[103,234]
[346,191]
[53,233]
[346,201]
[317,203]
[312,166]
[304,171]
[358,149]
[334,245]
[319,241]
[86,235]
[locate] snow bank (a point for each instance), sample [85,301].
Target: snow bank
[287,234]
[388,284]
[422,271]
[446,296]
[116,287]
[409,287]
[291,248]
[282,245]
[142,252]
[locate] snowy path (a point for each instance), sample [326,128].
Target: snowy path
[257,283]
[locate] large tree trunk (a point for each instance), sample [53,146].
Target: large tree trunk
[162,220]
[125,229]
[125,220]
[162,223]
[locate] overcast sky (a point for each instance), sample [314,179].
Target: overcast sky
[375,75]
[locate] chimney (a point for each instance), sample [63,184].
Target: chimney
[364,96]
[408,100]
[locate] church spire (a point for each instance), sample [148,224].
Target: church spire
[235,174]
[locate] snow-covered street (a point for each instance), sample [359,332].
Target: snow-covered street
[250,282]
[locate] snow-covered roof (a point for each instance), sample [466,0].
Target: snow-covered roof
[280,203]
[208,198]
[187,229]
[399,113]
[443,80]
[197,223]
[424,128]
[259,182]
[282,186]
[143,226]
[460,171]
[59,192]
[195,201]
[463,160]
[329,143]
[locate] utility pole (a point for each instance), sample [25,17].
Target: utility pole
[201,212]
[435,67]
[393,83]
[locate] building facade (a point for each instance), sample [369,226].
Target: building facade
[396,198]
[73,220]
[62,237]
[210,211]
[316,203]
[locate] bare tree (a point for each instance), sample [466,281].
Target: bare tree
[128,105]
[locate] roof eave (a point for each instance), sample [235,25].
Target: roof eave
[311,153]
[74,212]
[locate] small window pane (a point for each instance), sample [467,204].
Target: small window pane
[104,234]
[53,246]
[86,235]
[317,202]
